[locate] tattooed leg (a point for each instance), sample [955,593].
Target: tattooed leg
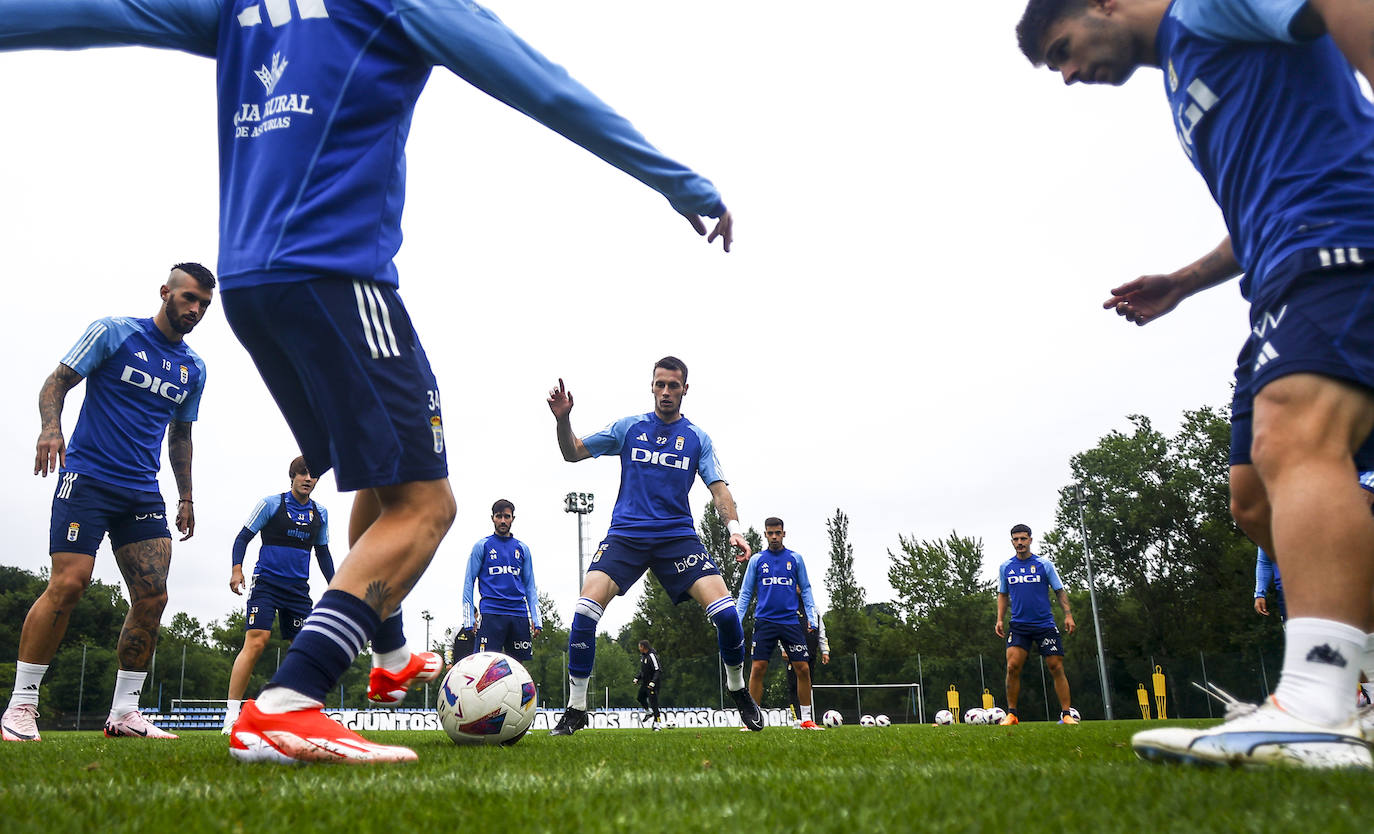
[392,552]
[47,619]
[144,565]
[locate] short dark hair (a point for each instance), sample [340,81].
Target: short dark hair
[672,363]
[644,644]
[502,504]
[773,521]
[298,467]
[1040,15]
[1021,528]
[203,276]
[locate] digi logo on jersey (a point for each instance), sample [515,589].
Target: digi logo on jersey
[498,570]
[776,580]
[680,565]
[668,459]
[163,388]
[1016,579]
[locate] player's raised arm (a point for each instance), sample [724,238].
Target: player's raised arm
[474,43]
[187,25]
[725,505]
[52,447]
[1150,296]
[561,403]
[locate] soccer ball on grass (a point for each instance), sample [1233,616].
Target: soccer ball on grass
[866,721]
[487,698]
[996,714]
[881,720]
[832,718]
[944,717]
[975,715]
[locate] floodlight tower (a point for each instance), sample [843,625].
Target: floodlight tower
[580,503]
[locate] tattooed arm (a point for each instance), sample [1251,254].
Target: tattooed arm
[52,447]
[179,453]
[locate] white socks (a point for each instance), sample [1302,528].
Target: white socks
[231,711]
[1321,667]
[806,713]
[128,686]
[734,677]
[392,661]
[577,693]
[27,678]
[279,699]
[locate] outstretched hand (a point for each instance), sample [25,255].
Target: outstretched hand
[560,401]
[738,541]
[725,228]
[1146,298]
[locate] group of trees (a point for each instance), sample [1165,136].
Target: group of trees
[1172,576]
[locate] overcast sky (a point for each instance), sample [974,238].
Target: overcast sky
[909,327]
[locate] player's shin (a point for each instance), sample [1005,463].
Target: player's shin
[582,650]
[730,638]
[333,635]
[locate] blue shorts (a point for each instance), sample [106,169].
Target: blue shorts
[285,600]
[678,563]
[1320,322]
[1046,640]
[791,635]
[84,509]
[505,633]
[347,370]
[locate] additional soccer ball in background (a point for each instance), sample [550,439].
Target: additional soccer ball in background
[881,720]
[487,698]
[832,718]
[944,717]
[975,715]
[996,714]
[866,721]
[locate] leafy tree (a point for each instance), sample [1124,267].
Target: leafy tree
[845,622]
[929,575]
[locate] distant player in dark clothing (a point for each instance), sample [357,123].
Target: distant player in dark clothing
[648,680]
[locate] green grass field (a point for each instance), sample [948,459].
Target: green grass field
[1035,777]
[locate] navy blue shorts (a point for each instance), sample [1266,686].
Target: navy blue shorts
[678,563]
[1046,641]
[285,600]
[84,509]
[791,635]
[505,633]
[1319,322]
[347,370]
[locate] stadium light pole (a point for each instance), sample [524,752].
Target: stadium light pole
[1092,598]
[580,503]
[428,618]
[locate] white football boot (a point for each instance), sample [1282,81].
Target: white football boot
[1265,735]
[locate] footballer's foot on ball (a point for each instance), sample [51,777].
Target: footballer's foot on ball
[1267,736]
[304,735]
[809,725]
[749,713]
[570,722]
[1009,720]
[20,723]
[133,725]
[384,687]
[1066,718]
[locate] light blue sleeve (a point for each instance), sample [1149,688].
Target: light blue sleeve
[610,440]
[531,591]
[475,44]
[262,513]
[188,25]
[1002,578]
[323,536]
[1051,574]
[708,465]
[1264,572]
[1248,21]
[746,588]
[189,410]
[98,343]
[474,565]
[808,599]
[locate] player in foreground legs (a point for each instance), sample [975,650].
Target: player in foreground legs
[141,381]
[291,524]
[502,567]
[1290,157]
[648,679]
[310,214]
[776,576]
[1022,581]
[661,453]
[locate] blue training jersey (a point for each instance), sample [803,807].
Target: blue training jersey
[1279,130]
[137,382]
[659,462]
[289,529]
[315,104]
[503,568]
[1024,581]
[775,579]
